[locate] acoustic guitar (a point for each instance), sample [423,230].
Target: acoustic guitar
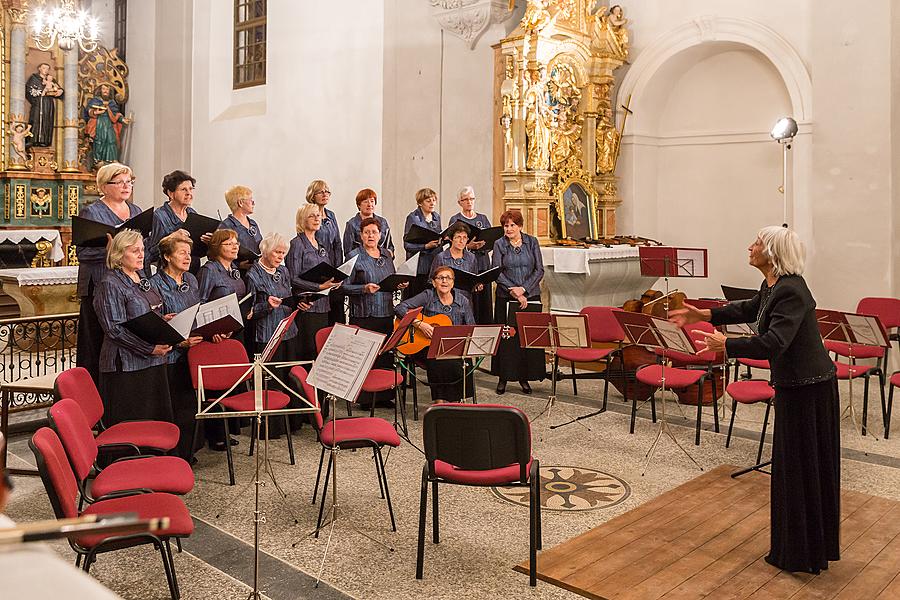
[420,342]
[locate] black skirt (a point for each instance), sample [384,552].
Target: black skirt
[136,395]
[90,339]
[336,311]
[286,351]
[445,378]
[482,307]
[309,324]
[512,362]
[184,406]
[806,478]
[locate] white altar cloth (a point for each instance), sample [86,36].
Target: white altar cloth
[42,275]
[33,235]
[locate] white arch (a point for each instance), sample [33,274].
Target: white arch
[711,28]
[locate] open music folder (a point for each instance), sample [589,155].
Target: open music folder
[91,234]
[197,226]
[221,316]
[323,271]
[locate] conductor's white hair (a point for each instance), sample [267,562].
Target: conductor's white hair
[783,247]
[272,241]
[466,189]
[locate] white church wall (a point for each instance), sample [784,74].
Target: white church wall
[319,115]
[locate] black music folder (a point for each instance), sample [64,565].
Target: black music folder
[490,235]
[197,226]
[91,234]
[154,329]
[323,271]
[422,235]
[466,280]
[245,254]
[390,283]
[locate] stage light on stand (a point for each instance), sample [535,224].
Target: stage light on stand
[783,132]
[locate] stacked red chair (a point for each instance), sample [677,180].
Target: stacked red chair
[62,489]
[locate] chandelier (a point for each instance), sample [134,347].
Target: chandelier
[67,25]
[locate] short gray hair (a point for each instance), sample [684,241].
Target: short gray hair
[783,247]
[466,189]
[123,239]
[271,242]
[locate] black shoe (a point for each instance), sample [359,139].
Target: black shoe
[525,387]
[220,446]
[501,387]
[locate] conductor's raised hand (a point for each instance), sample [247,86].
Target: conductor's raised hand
[689,314]
[713,342]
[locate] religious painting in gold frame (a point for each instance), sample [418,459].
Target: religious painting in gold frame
[577,210]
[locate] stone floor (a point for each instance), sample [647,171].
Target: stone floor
[483,537]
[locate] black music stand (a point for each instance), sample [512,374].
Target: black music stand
[652,332]
[400,328]
[463,342]
[550,332]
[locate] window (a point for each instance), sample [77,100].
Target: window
[249,43]
[121,20]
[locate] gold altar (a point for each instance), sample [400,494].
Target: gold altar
[556,140]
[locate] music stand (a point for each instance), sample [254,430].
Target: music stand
[854,330]
[258,367]
[461,342]
[550,332]
[402,326]
[339,371]
[652,332]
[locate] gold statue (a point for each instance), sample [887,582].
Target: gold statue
[565,138]
[536,16]
[536,128]
[607,144]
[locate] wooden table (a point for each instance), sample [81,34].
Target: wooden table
[42,385]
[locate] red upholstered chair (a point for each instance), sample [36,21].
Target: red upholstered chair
[894,383]
[888,312]
[750,391]
[750,363]
[346,434]
[378,380]
[62,488]
[220,380]
[850,371]
[156,473]
[676,379]
[478,445]
[602,328]
[78,385]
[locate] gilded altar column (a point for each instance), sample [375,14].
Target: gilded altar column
[70,113]
[18,119]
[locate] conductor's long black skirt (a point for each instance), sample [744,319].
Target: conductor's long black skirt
[806,478]
[512,362]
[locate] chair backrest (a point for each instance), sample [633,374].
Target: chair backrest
[76,435]
[477,437]
[56,472]
[298,373]
[226,352]
[602,324]
[886,309]
[322,335]
[78,385]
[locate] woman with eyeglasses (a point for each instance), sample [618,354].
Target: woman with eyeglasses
[133,374]
[518,286]
[329,237]
[481,299]
[241,204]
[458,257]
[179,290]
[445,377]
[178,187]
[424,216]
[365,202]
[115,182]
[306,252]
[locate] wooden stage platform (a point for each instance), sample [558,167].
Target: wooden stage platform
[707,539]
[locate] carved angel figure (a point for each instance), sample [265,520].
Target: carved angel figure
[617,22]
[536,129]
[565,138]
[536,16]
[20,131]
[607,145]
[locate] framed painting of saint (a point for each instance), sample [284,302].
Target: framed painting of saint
[577,210]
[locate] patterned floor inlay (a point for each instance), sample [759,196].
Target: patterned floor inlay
[571,489]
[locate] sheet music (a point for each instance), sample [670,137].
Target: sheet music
[345,360]
[218,309]
[484,340]
[673,337]
[690,262]
[410,266]
[347,267]
[571,331]
[183,322]
[866,330]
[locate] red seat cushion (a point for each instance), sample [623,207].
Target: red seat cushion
[158,473]
[846,371]
[379,380]
[246,401]
[754,363]
[146,506]
[895,379]
[509,474]
[675,378]
[144,434]
[361,430]
[854,350]
[751,391]
[583,354]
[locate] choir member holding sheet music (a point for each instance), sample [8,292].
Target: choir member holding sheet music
[306,252]
[241,204]
[481,299]
[365,201]
[371,308]
[179,290]
[178,187]
[445,377]
[133,373]
[457,257]
[329,237]
[219,276]
[518,285]
[806,451]
[424,216]
[115,182]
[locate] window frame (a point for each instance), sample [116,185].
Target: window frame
[241,71]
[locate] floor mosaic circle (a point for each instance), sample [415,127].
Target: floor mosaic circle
[571,489]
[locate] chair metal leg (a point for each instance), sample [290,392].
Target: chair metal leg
[887,415]
[228,451]
[633,413]
[290,439]
[865,415]
[715,402]
[423,502]
[167,567]
[387,492]
[535,506]
[731,423]
[324,494]
[762,436]
[372,407]
[172,567]
[574,381]
[378,472]
[178,544]
[318,475]
[699,409]
[435,515]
